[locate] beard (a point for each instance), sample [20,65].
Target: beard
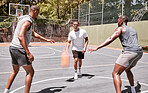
[36,19]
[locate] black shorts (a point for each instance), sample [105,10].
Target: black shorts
[78,54]
[18,56]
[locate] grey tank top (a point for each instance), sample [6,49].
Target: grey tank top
[129,40]
[15,41]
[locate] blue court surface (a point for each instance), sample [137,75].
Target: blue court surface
[50,77]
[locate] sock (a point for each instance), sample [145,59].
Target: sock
[6,90]
[133,89]
[79,69]
[75,71]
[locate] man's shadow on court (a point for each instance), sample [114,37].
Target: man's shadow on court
[128,90]
[83,75]
[51,90]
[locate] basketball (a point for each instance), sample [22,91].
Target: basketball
[65,59]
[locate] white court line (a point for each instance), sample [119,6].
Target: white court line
[144,62]
[45,80]
[117,57]
[45,54]
[106,55]
[145,91]
[54,49]
[39,82]
[41,56]
[91,66]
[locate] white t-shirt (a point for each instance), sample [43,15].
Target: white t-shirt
[77,39]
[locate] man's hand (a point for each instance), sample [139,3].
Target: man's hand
[50,40]
[84,50]
[92,49]
[30,57]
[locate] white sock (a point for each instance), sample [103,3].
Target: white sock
[79,69]
[75,71]
[133,89]
[6,90]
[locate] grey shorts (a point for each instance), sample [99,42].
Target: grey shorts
[78,54]
[18,56]
[128,58]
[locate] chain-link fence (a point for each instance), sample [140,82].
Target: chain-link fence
[54,29]
[97,12]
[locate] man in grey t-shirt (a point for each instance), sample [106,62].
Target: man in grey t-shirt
[19,51]
[132,52]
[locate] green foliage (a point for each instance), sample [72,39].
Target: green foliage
[4,24]
[61,9]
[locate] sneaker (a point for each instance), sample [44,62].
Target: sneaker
[133,89]
[6,92]
[79,74]
[76,76]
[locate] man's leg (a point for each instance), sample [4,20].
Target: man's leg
[75,67]
[75,63]
[131,78]
[12,76]
[118,69]
[80,65]
[29,76]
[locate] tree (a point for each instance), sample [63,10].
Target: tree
[58,9]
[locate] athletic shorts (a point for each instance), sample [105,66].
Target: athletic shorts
[78,54]
[128,58]
[18,56]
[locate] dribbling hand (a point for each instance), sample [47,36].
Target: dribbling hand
[30,57]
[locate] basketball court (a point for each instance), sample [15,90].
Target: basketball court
[50,77]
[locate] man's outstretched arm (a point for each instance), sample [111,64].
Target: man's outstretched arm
[109,39]
[36,35]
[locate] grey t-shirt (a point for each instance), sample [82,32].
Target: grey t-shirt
[129,40]
[15,41]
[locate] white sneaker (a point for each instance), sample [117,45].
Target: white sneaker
[79,74]
[76,76]
[133,89]
[6,91]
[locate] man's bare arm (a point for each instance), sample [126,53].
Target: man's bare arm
[68,45]
[36,35]
[109,40]
[21,37]
[86,44]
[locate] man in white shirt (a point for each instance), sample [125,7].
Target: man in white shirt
[77,36]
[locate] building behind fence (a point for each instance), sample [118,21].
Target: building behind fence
[97,12]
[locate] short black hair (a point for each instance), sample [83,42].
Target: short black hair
[76,21]
[34,8]
[124,18]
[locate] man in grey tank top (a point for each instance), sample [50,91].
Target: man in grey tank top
[19,51]
[131,53]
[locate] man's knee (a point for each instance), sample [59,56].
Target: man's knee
[76,60]
[15,72]
[29,70]
[116,73]
[30,73]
